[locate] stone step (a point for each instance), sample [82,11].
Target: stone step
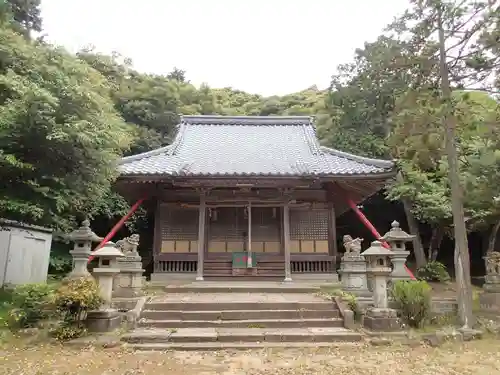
[249,287]
[238,314]
[232,335]
[222,306]
[273,323]
[213,346]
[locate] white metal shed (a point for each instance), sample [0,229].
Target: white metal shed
[24,253]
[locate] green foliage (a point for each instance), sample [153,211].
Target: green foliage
[52,101]
[60,265]
[433,272]
[30,303]
[413,300]
[77,296]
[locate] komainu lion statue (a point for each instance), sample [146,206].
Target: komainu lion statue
[128,245]
[493,263]
[352,245]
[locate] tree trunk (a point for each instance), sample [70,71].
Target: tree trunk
[462,261]
[435,243]
[492,238]
[418,248]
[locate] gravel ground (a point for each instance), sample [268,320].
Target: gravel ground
[479,357]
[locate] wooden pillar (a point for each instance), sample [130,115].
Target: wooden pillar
[332,248]
[249,237]
[157,240]
[201,237]
[286,240]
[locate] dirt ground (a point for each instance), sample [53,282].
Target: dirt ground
[482,357]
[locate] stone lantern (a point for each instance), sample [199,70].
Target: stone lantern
[107,269]
[379,317]
[105,319]
[397,239]
[83,238]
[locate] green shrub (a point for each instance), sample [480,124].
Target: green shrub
[29,304]
[352,302]
[434,272]
[413,300]
[77,296]
[60,265]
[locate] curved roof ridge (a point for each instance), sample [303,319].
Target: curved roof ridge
[360,159]
[147,154]
[246,120]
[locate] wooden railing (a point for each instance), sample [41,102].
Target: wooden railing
[311,266]
[176,266]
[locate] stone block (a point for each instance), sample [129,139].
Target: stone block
[240,334]
[490,301]
[194,335]
[381,320]
[103,320]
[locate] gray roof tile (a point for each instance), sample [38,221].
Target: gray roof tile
[248,146]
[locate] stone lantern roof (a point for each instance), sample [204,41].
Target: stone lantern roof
[396,234]
[84,233]
[376,249]
[109,250]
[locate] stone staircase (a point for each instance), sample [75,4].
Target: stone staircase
[211,321]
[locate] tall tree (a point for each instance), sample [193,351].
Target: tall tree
[60,136]
[448,34]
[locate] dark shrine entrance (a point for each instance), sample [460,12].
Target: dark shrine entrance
[244,241]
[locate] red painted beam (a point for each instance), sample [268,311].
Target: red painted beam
[372,229]
[118,225]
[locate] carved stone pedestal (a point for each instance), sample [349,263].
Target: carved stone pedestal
[353,274]
[381,320]
[103,320]
[490,298]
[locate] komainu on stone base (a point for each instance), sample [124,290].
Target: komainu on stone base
[353,268]
[129,282]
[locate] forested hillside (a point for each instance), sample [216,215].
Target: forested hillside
[66,119]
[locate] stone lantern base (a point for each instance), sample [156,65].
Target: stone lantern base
[381,320]
[103,320]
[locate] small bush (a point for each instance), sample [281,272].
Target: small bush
[77,296]
[413,300]
[433,272]
[30,303]
[67,331]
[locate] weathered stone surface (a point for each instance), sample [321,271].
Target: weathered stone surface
[103,320]
[380,341]
[469,334]
[194,335]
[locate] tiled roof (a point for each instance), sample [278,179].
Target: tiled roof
[249,146]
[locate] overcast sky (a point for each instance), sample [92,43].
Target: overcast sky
[260,46]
